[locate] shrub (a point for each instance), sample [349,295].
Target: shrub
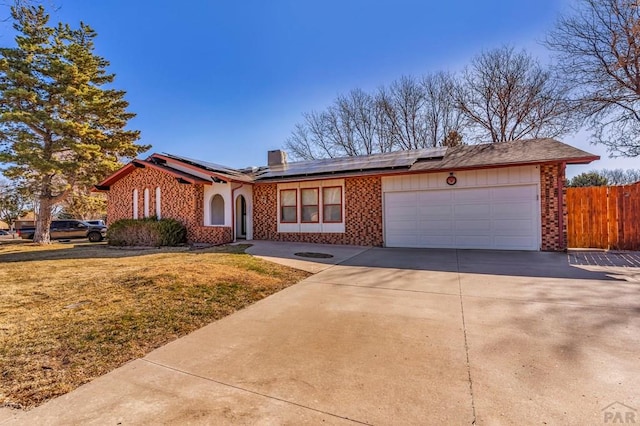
[149,232]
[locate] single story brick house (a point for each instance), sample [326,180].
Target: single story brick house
[507,196]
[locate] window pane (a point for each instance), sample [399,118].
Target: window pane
[309,197]
[332,213]
[310,213]
[331,195]
[288,198]
[288,214]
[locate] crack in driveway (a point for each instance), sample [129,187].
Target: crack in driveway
[466,343]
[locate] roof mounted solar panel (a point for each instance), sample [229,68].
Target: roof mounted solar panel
[390,160]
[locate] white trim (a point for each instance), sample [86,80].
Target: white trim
[158,203]
[247,192]
[135,203]
[224,190]
[320,227]
[146,202]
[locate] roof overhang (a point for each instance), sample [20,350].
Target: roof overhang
[215,176]
[180,176]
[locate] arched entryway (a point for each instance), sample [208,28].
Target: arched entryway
[241,217]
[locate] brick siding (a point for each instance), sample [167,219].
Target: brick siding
[363,215]
[553,237]
[183,202]
[363,209]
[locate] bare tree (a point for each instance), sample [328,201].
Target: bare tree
[598,52]
[444,122]
[620,176]
[349,127]
[403,103]
[409,114]
[506,95]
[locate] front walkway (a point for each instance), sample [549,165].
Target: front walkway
[394,336]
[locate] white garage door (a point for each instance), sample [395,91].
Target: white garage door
[504,218]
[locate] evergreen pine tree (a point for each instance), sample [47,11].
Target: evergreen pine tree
[61,124]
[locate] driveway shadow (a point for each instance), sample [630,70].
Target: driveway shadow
[487,262]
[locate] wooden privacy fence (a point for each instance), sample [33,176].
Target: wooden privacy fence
[605,217]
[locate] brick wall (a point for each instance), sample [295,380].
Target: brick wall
[183,202]
[554,238]
[363,215]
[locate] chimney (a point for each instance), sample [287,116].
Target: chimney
[277,158]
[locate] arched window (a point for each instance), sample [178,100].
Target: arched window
[158,202]
[135,203]
[217,210]
[146,202]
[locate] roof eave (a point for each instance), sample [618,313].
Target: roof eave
[199,169]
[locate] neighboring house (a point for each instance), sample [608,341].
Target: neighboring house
[25,221]
[497,196]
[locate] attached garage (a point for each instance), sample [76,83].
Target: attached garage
[484,209]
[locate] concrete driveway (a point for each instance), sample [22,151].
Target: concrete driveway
[395,336]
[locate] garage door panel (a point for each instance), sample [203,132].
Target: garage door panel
[518,227]
[472,227]
[439,226]
[435,211]
[399,226]
[471,195]
[491,217]
[435,197]
[470,211]
[512,210]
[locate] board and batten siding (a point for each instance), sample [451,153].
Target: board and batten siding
[522,175]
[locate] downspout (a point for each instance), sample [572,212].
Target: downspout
[233,210]
[561,241]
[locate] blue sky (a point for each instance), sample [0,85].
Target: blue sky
[227,81]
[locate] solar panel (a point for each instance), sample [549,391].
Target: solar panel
[391,160]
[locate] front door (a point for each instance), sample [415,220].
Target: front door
[241,217]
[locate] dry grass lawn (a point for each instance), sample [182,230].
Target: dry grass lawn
[69,313]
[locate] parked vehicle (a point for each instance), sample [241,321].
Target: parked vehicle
[4,233]
[67,229]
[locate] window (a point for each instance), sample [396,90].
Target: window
[146,202]
[332,204]
[217,210]
[288,206]
[310,212]
[158,202]
[135,203]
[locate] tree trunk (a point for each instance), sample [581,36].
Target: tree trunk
[43,221]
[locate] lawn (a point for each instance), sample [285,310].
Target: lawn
[72,312]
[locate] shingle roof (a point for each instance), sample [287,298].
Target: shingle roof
[224,172]
[532,151]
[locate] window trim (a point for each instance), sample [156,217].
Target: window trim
[317,188]
[146,202]
[135,203]
[325,204]
[211,210]
[158,202]
[280,217]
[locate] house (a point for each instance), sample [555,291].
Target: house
[506,196]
